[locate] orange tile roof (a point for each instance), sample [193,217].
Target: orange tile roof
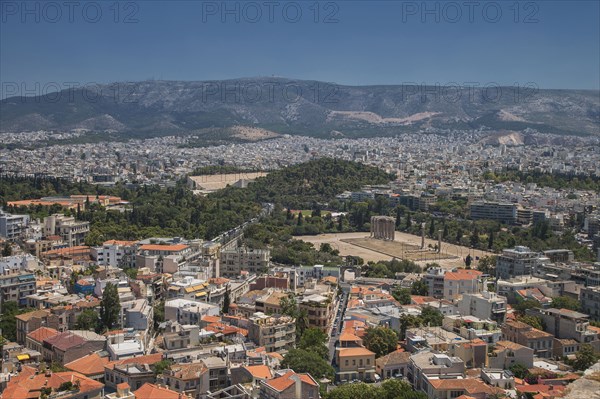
[42,333]
[28,384]
[471,386]
[348,336]
[146,359]
[211,319]
[282,383]
[89,365]
[275,355]
[260,371]
[355,352]
[120,242]
[218,280]
[170,248]
[81,249]
[463,274]
[151,391]
[30,315]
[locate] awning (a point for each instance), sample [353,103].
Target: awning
[200,294]
[173,288]
[23,357]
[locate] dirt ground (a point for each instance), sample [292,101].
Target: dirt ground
[404,244]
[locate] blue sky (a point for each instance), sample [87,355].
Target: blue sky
[554,44]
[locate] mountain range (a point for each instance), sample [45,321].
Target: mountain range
[253,109]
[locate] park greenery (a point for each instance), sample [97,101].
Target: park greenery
[389,389]
[154,211]
[560,181]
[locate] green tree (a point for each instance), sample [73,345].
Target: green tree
[474,240]
[398,389]
[533,321]
[584,358]
[302,323]
[226,302]
[408,221]
[402,295]
[87,320]
[468,261]
[420,287]
[289,306]
[303,361]
[159,312]
[381,340]
[314,340]
[491,239]
[519,370]
[110,307]
[300,219]
[487,265]
[7,249]
[523,305]
[430,316]
[565,302]
[8,322]
[160,366]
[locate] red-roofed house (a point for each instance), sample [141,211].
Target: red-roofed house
[35,339]
[290,386]
[92,366]
[72,385]
[460,282]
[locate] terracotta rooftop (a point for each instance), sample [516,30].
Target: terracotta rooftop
[42,333]
[146,359]
[169,248]
[463,274]
[260,371]
[282,383]
[355,352]
[89,365]
[151,391]
[28,385]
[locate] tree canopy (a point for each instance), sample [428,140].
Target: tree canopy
[381,340]
[110,307]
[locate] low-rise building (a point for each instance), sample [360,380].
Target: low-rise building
[188,312]
[506,354]
[290,385]
[355,364]
[540,341]
[486,305]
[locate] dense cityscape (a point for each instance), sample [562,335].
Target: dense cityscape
[299,200]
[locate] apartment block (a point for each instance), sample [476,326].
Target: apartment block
[590,302]
[12,226]
[501,212]
[487,306]
[16,286]
[567,324]
[72,232]
[519,261]
[234,261]
[276,333]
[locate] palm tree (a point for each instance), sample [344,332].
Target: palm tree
[301,323]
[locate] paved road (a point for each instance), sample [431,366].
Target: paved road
[334,335]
